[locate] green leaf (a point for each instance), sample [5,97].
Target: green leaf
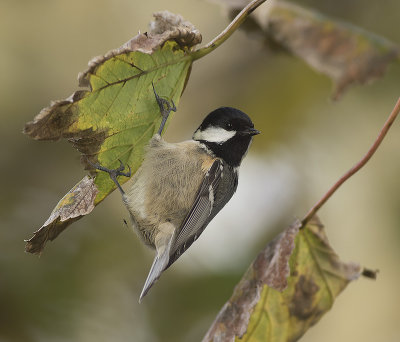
[269,305]
[118,114]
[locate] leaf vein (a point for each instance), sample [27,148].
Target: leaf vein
[319,267]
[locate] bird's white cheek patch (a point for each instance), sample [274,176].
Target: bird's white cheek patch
[214,134]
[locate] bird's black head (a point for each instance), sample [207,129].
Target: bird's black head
[227,132]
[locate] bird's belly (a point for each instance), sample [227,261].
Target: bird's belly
[165,187]
[172,196]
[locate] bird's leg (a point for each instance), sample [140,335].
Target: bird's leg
[165,109]
[114,173]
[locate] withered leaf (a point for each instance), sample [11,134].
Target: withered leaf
[117,114]
[79,201]
[344,52]
[270,305]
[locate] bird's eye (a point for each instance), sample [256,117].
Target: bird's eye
[229,125]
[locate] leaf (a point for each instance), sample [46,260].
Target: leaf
[117,114]
[79,201]
[268,306]
[344,52]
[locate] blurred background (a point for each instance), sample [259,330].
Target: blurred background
[86,284]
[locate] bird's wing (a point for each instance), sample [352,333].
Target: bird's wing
[191,228]
[198,216]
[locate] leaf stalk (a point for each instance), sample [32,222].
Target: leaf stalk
[225,34]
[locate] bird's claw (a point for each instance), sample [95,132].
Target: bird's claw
[118,171]
[165,108]
[114,173]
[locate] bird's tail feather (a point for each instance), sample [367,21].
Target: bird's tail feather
[160,263]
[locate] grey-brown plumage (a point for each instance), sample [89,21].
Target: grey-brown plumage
[183,200]
[172,177]
[180,187]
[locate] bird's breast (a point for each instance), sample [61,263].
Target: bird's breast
[165,186]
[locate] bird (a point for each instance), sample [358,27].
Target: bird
[180,187]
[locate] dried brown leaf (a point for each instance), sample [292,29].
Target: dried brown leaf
[79,201]
[344,52]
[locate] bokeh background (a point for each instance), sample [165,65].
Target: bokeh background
[85,285]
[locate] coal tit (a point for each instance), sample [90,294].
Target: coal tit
[180,187]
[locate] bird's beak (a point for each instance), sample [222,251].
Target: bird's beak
[251,131]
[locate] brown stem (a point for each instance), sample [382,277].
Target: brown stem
[356,167]
[225,34]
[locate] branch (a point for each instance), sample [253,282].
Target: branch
[356,167]
[225,34]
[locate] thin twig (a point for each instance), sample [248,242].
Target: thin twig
[356,167]
[225,34]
